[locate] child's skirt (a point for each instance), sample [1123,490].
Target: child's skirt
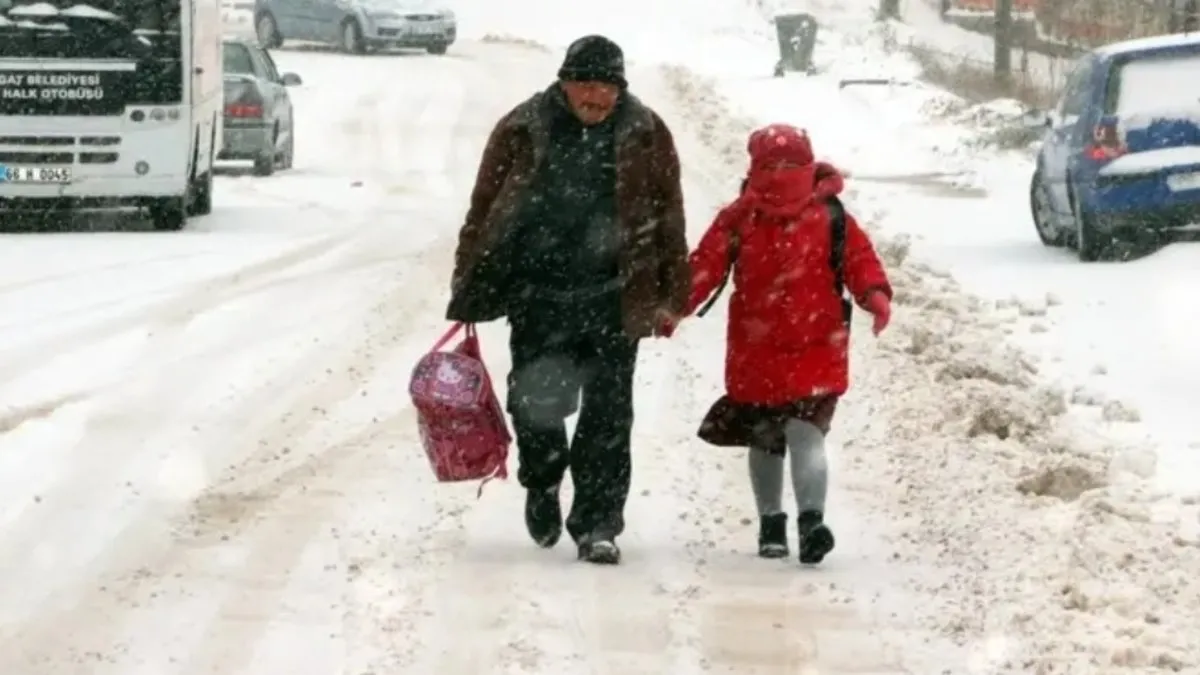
[732,424]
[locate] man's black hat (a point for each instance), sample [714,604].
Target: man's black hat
[594,58]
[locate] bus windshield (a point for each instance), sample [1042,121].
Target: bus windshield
[112,54]
[99,29]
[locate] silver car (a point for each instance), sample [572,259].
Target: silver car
[259,126]
[357,26]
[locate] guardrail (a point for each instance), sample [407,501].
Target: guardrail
[974,78]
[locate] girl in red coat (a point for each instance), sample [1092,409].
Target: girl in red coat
[791,248]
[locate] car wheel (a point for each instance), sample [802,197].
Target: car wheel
[267,32]
[200,203]
[352,38]
[289,150]
[438,49]
[1089,244]
[168,214]
[1043,215]
[267,160]
[264,165]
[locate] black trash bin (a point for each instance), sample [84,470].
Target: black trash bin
[797,35]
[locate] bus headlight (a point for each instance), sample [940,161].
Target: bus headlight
[158,114]
[142,167]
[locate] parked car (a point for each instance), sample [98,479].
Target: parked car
[259,125]
[357,25]
[1120,157]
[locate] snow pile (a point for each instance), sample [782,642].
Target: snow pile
[990,115]
[1051,554]
[1002,123]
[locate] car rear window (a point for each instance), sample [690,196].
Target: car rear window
[1156,84]
[237,60]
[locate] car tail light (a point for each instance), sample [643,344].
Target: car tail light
[1107,143]
[243,110]
[242,100]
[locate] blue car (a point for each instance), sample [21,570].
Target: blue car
[1120,158]
[357,26]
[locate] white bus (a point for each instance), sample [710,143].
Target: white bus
[110,104]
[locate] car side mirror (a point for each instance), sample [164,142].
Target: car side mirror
[291,80]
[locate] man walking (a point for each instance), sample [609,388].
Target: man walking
[575,232]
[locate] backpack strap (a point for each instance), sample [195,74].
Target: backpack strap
[735,243]
[837,254]
[837,243]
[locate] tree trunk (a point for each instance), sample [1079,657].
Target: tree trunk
[889,9]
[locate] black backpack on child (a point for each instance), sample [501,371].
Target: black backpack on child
[837,254]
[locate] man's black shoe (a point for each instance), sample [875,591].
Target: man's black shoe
[599,551]
[543,516]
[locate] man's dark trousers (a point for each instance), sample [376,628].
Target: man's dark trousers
[551,365]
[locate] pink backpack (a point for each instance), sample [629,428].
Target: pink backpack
[462,424]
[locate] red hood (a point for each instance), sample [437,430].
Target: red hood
[786,192]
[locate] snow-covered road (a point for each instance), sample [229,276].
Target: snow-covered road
[208,463]
[198,424]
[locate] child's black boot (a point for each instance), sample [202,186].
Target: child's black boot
[772,536]
[816,539]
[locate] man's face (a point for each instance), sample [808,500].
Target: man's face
[592,102]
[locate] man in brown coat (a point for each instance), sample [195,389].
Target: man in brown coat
[575,233]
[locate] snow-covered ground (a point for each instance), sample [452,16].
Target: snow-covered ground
[1104,383]
[208,463]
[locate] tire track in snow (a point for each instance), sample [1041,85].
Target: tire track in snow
[220,655]
[135,563]
[14,416]
[91,468]
[365,620]
[145,545]
[30,282]
[200,296]
[285,516]
[316,487]
[268,392]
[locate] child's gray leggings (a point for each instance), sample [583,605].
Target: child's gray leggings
[810,473]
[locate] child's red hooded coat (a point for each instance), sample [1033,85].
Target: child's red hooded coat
[786,339]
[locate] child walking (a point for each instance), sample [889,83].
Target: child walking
[790,249]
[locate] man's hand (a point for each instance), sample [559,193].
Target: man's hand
[665,323]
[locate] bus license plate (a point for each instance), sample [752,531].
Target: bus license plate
[35,174]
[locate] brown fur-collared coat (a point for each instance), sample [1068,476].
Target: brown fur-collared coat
[653,255]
